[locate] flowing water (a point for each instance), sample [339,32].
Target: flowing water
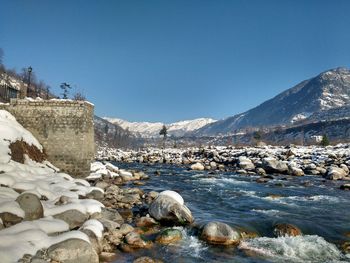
[317,207]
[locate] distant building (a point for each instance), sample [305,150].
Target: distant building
[316,138]
[10,88]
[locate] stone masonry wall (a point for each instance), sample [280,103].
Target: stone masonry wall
[64,128]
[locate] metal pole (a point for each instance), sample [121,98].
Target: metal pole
[29,73]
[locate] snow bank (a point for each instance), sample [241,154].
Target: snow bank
[43,180]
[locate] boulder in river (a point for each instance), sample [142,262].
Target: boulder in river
[335,173]
[281,230]
[245,163]
[219,233]
[271,165]
[168,236]
[169,206]
[197,167]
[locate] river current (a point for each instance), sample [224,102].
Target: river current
[316,206]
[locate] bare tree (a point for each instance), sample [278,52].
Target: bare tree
[79,96]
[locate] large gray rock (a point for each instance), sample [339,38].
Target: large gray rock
[73,251]
[31,206]
[166,208]
[295,171]
[245,163]
[73,218]
[197,167]
[112,214]
[271,165]
[335,173]
[220,234]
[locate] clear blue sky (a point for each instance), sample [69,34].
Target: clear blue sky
[171,60]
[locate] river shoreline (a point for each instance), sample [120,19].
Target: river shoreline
[280,162]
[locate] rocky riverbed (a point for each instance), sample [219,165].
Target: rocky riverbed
[256,221]
[331,162]
[277,167]
[216,203]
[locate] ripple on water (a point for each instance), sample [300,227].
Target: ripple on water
[189,246]
[222,182]
[294,249]
[269,212]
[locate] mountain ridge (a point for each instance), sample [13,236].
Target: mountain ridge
[328,90]
[151,129]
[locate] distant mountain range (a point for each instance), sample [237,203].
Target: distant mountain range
[325,97]
[313,97]
[151,129]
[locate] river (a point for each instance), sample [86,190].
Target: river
[316,206]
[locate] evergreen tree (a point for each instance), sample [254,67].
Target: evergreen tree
[164,132]
[324,141]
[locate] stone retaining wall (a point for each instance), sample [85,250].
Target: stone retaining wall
[65,129]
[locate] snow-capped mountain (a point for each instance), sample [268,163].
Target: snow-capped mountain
[151,129]
[328,90]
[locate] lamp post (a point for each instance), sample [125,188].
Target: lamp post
[30,69]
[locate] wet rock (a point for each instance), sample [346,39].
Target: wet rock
[219,233]
[114,237]
[135,241]
[274,196]
[146,260]
[73,251]
[107,257]
[345,168]
[197,167]
[169,207]
[335,173]
[260,171]
[295,171]
[168,236]
[247,234]
[146,222]
[262,180]
[281,230]
[345,187]
[213,165]
[31,206]
[345,247]
[125,229]
[72,217]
